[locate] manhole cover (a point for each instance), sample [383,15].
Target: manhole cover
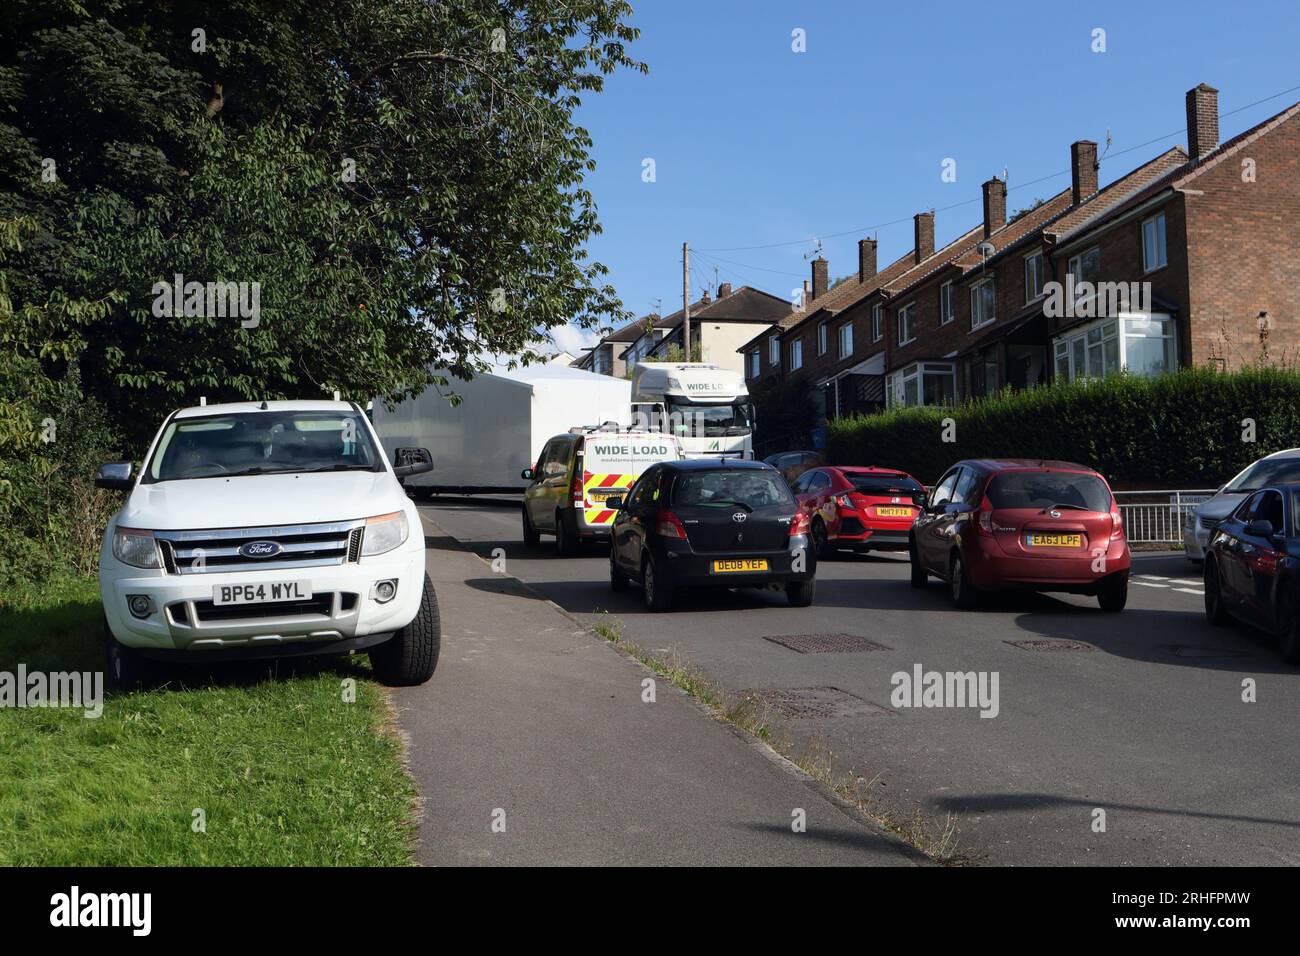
[815,703]
[1189,650]
[825,643]
[1051,644]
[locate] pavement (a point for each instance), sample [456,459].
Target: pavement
[532,745]
[1140,715]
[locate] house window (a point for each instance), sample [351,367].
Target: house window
[982,304]
[846,340]
[1154,252]
[877,322]
[923,383]
[755,363]
[1141,344]
[1085,267]
[796,354]
[774,351]
[1033,276]
[946,313]
[822,339]
[907,323]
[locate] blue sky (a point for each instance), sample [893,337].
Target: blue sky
[755,144]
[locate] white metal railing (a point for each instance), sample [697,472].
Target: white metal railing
[1158,517]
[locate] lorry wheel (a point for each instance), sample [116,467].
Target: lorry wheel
[531,537]
[565,542]
[410,656]
[126,667]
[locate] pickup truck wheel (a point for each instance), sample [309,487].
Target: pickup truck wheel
[126,667]
[531,537]
[410,656]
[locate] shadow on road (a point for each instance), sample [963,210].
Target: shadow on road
[983,803]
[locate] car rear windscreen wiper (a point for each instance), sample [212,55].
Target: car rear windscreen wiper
[1073,507]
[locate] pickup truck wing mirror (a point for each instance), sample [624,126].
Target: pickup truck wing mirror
[411,461]
[115,475]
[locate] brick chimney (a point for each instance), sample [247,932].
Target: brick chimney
[1083,170]
[1202,120]
[866,259]
[807,293]
[995,206]
[724,290]
[704,297]
[923,235]
[820,278]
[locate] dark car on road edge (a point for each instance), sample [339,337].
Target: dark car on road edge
[1252,566]
[711,523]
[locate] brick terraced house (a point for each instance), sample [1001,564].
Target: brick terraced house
[1191,258]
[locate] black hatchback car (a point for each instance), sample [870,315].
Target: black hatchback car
[711,523]
[1252,566]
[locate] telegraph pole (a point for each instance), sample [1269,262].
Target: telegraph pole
[686,298]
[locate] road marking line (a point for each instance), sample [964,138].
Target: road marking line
[1152,577]
[1191,591]
[1146,584]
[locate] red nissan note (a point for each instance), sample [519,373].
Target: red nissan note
[1013,523]
[866,509]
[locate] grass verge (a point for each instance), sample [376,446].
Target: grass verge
[283,769]
[938,840]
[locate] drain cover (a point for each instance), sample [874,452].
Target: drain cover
[825,643]
[1051,644]
[813,703]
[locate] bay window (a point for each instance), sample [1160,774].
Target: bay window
[1141,344]
[923,383]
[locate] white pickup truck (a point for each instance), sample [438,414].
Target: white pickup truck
[269,529]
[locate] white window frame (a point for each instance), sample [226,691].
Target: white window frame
[877,322]
[1121,327]
[823,338]
[896,382]
[1040,273]
[1072,268]
[845,336]
[796,355]
[1161,250]
[907,322]
[946,310]
[975,291]
[774,350]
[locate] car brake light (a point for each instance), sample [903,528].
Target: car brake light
[575,486]
[670,526]
[801,523]
[985,523]
[1117,522]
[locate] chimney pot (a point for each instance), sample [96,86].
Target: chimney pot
[866,259]
[923,235]
[820,277]
[704,297]
[995,206]
[1083,170]
[1202,120]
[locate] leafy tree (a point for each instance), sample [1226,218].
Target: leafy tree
[403,180]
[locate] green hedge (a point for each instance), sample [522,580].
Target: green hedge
[1179,430]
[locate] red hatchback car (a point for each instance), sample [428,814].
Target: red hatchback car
[865,509]
[1040,525]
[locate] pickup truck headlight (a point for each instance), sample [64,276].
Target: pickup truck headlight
[135,547]
[384,533]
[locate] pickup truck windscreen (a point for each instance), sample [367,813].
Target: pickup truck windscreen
[262,443]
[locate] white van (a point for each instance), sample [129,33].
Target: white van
[575,475]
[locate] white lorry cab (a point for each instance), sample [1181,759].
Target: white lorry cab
[269,529]
[704,406]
